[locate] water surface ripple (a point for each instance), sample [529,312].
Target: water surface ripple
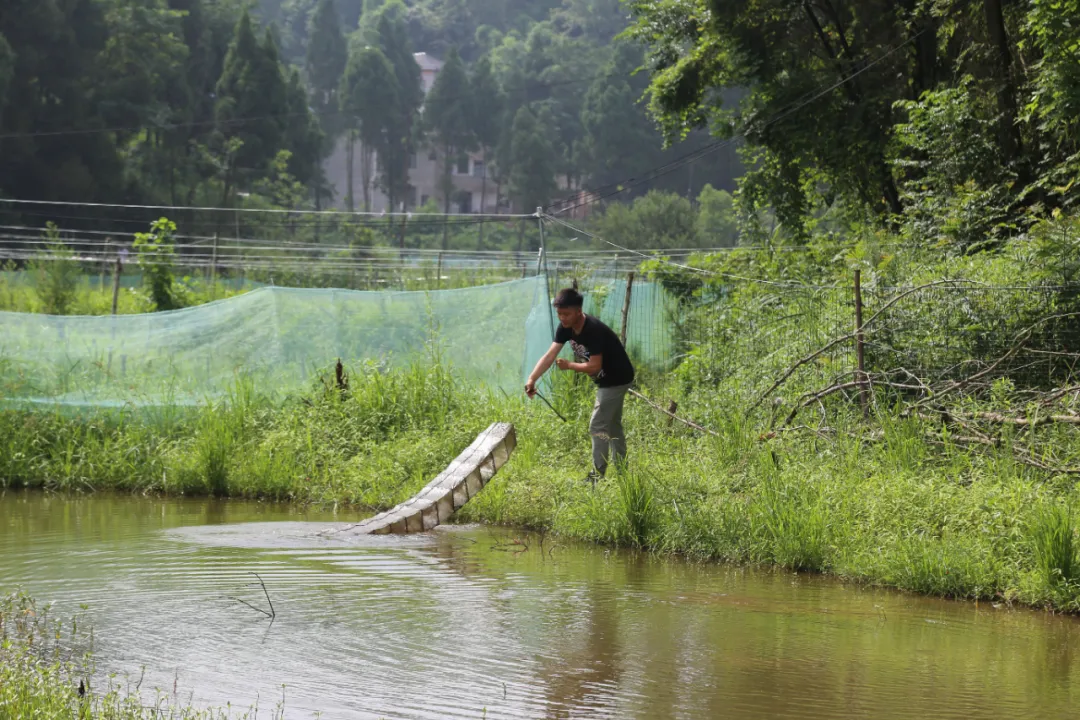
[466,621]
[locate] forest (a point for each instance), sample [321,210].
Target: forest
[214,103]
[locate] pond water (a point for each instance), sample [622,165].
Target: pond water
[472,622]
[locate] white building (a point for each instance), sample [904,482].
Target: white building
[424,173]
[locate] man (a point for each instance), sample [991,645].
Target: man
[599,354]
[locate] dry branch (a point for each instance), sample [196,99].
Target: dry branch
[850,336]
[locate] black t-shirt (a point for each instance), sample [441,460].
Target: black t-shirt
[596,338]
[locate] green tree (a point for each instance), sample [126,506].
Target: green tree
[368,101]
[144,54]
[448,115]
[304,139]
[296,19]
[56,274]
[155,253]
[55,46]
[392,38]
[487,120]
[717,225]
[787,52]
[251,98]
[619,141]
[327,53]
[7,68]
[657,220]
[532,162]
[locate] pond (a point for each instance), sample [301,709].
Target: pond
[472,622]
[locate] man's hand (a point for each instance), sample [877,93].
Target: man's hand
[562,364]
[530,388]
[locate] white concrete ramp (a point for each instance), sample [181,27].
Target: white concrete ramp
[452,488]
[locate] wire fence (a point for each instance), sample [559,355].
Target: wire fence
[947,330]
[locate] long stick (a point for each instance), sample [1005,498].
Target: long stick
[550,406]
[673,416]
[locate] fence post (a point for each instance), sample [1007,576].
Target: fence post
[626,306]
[116,284]
[213,269]
[438,273]
[860,372]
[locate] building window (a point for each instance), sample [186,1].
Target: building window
[410,196]
[463,165]
[478,169]
[423,200]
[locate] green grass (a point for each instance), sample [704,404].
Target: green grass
[877,506]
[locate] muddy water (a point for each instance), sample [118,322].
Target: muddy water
[468,620]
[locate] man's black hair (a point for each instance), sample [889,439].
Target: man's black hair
[568,298]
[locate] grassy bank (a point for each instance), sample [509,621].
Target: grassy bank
[872,501]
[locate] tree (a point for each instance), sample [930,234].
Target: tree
[304,139]
[251,96]
[327,53]
[296,19]
[619,141]
[7,68]
[368,99]
[787,52]
[143,56]
[532,160]
[52,52]
[717,225]
[448,119]
[393,40]
[657,220]
[487,120]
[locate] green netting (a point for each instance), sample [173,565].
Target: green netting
[281,338]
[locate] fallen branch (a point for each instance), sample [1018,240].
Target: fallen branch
[850,336]
[672,415]
[1024,422]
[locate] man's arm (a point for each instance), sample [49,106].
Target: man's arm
[542,366]
[590,367]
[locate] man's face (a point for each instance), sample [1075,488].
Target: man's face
[568,316]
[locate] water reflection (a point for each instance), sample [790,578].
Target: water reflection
[471,620]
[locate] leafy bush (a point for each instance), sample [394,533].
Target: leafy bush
[155,250]
[56,274]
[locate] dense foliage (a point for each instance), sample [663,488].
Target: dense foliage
[916,112]
[191,102]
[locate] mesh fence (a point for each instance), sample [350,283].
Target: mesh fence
[281,338]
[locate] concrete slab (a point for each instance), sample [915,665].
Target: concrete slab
[451,489]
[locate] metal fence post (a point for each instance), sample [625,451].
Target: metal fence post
[860,372]
[626,306]
[116,284]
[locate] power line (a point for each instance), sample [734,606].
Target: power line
[700,271]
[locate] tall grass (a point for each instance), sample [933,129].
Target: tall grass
[931,519]
[1052,530]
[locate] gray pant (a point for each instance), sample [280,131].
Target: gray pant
[608,437]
